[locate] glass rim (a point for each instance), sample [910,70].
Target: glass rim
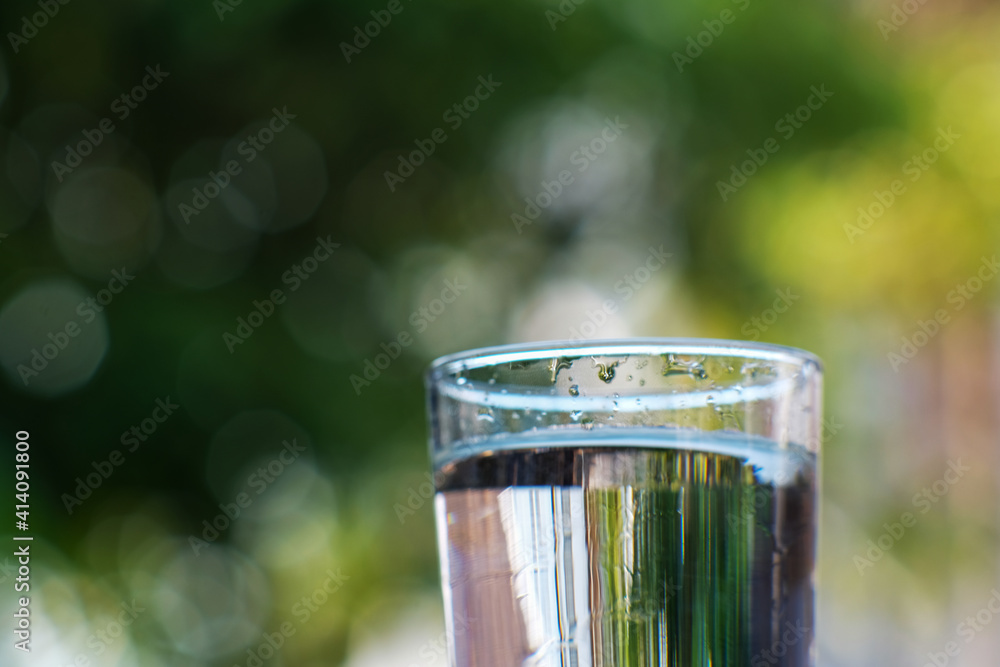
[482,357]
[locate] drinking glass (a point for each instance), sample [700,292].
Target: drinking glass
[627,503]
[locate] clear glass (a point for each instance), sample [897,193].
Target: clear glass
[627,503]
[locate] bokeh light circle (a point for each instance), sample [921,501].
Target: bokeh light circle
[281,184]
[104,219]
[204,248]
[212,603]
[38,352]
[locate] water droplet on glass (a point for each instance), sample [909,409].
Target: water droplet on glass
[642,383]
[488,421]
[559,364]
[606,372]
[629,378]
[674,365]
[574,390]
[576,414]
[588,423]
[755,369]
[461,380]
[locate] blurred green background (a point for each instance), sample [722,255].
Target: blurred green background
[822,175]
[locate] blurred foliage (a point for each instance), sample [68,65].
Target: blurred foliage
[324,177]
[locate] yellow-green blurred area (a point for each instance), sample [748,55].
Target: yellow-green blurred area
[630,168]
